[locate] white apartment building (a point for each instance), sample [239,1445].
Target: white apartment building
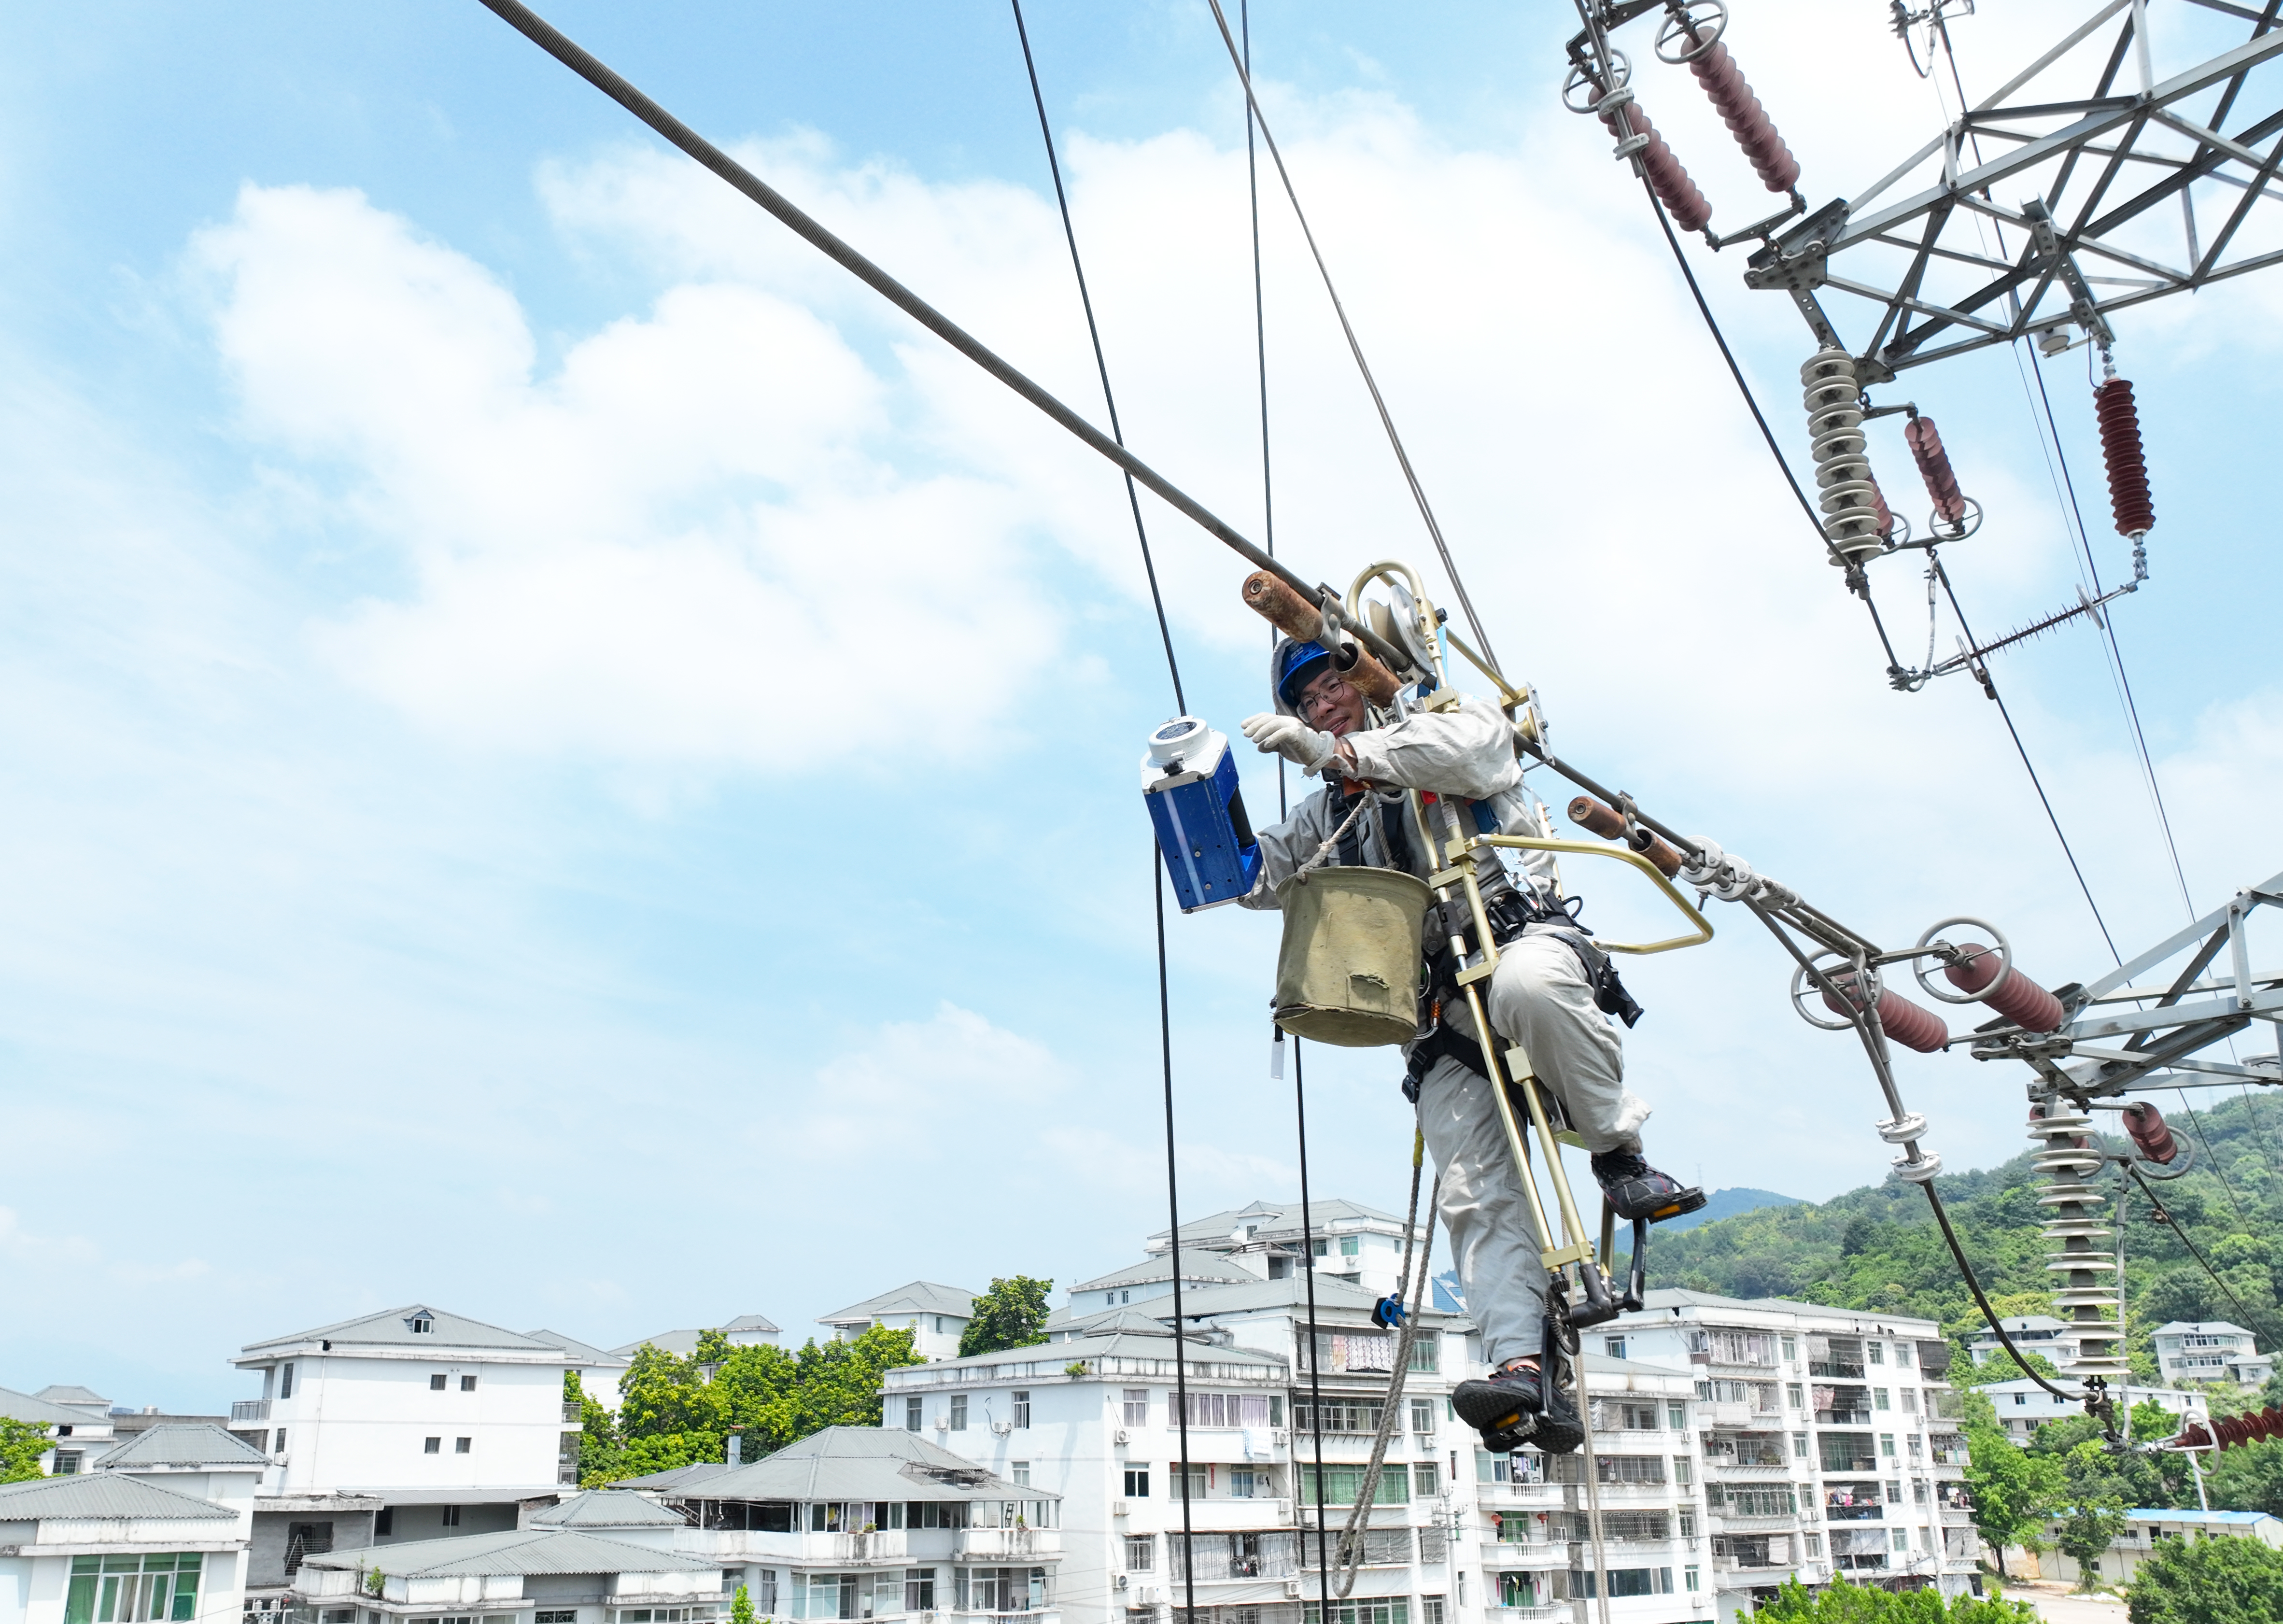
[2210,1351]
[153,1528]
[2032,1333]
[1829,1440]
[936,1315]
[410,1424]
[598,1372]
[74,1432]
[2023,1407]
[745,1330]
[1358,1243]
[1453,1533]
[867,1522]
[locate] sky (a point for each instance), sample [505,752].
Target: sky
[559,759]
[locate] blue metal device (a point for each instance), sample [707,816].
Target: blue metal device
[1189,780]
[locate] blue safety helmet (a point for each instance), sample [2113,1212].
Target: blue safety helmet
[1298,666]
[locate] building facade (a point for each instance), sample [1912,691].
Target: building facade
[2023,1407]
[74,1433]
[2145,1531]
[1829,1443]
[936,1315]
[2210,1351]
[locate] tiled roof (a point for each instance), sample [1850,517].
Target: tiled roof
[102,1494]
[513,1550]
[862,1463]
[202,1444]
[920,1297]
[607,1508]
[392,1328]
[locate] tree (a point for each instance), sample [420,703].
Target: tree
[21,1445]
[1012,1313]
[2247,1477]
[2012,1489]
[1845,1602]
[2095,1515]
[2206,1581]
[741,1608]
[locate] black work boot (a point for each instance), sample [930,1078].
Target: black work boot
[1515,1407]
[1635,1190]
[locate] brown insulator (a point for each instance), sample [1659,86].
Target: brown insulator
[1671,183]
[1723,82]
[2120,449]
[1886,514]
[1911,1025]
[2017,998]
[2146,1124]
[1934,467]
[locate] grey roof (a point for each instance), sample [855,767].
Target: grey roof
[513,1550]
[1331,1292]
[607,1508]
[2193,1328]
[2025,1322]
[752,1322]
[1277,1219]
[59,1394]
[392,1328]
[1150,1270]
[863,1462]
[23,1407]
[1677,1296]
[202,1444]
[1103,1321]
[1126,1345]
[102,1494]
[675,1478]
[682,1343]
[581,1353]
[920,1297]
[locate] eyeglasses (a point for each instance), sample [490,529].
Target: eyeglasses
[1323,691]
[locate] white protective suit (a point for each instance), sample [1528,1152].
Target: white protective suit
[1539,997]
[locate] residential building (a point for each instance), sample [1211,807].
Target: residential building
[936,1315]
[1151,1277]
[2210,1351]
[1450,1533]
[2023,1407]
[1829,1440]
[124,1547]
[72,1432]
[745,1330]
[598,1372]
[446,1424]
[1358,1243]
[2145,1533]
[86,1401]
[867,1522]
[606,1571]
[2032,1333]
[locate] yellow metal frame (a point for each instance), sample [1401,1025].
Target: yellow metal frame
[1624,855]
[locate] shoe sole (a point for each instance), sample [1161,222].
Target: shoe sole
[1686,1201]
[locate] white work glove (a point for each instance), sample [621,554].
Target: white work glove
[1292,739]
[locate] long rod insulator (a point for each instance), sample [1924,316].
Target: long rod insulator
[1914,1025]
[1679,195]
[1934,467]
[1723,82]
[1886,514]
[2120,449]
[2147,1126]
[2017,998]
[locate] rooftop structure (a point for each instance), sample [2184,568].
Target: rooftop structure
[936,1315]
[746,1331]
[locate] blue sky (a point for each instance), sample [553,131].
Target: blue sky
[559,761]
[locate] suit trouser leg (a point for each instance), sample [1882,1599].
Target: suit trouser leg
[1484,1210]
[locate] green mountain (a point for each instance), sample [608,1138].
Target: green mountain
[1726,1204]
[1878,1249]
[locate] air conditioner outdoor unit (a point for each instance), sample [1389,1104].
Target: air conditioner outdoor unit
[1122,1580]
[943,1424]
[1117,1507]
[1291,1587]
[1121,1434]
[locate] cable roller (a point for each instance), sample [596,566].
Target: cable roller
[1295,616]
[1983,972]
[1595,818]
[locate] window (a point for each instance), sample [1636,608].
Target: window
[1689,1521]
[384,1522]
[1318,1248]
[1137,1480]
[438,1382]
[1430,1610]
[1233,1409]
[1426,1480]
[1615,1346]
[1878,1351]
[939,1331]
[462,1446]
[1879,1398]
[450,1518]
[1022,1409]
[420,1324]
[1902,1353]
[959,1412]
[764,1595]
[2020,1398]
[431,1446]
[286,1381]
[1141,1553]
[1623,1581]
[1243,1484]
[1342,1483]
[1676,1416]
[912,1415]
[1688,1578]
[1796,1395]
[467,1384]
[1799,1446]
[281,1441]
[1886,1443]
[67,1463]
[1814,1542]
[1423,1352]
[919,1589]
[1137,1406]
[1422,1416]
[1910,1401]
[1895,1493]
[1018,1473]
[1351,1245]
[569,1615]
[1680,1470]
[1791,1356]
[128,1590]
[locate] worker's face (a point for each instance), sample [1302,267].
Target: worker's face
[1331,705]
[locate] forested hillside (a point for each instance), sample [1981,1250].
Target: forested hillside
[1877,1248]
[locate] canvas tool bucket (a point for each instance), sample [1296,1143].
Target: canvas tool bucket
[1348,971]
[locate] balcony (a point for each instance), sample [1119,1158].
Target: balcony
[249,1409]
[1843,1417]
[987,1544]
[1856,1514]
[1752,1564]
[1836,1369]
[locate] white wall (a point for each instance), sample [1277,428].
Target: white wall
[357,1423]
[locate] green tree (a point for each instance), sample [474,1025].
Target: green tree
[741,1608]
[1012,1313]
[2247,1477]
[2012,1489]
[2226,1579]
[21,1445]
[1844,1603]
[2095,1514]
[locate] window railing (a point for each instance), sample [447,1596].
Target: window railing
[250,1410]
